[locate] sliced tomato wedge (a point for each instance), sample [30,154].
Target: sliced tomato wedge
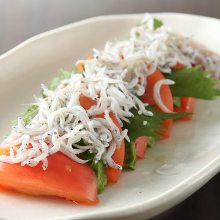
[80,67]
[118,156]
[141,147]
[63,178]
[4,151]
[178,66]
[86,102]
[187,104]
[166,97]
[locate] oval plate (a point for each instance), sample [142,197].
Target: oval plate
[172,170]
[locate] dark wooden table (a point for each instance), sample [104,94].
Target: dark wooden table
[22,19]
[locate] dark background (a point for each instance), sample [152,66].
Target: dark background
[23,19]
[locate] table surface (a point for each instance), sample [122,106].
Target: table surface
[20,20]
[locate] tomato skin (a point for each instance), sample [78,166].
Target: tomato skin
[166,132]
[178,66]
[4,151]
[187,104]
[86,102]
[63,178]
[80,67]
[166,94]
[166,97]
[113,175]
[119,154]
[141,147]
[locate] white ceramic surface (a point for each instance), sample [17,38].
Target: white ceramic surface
[173,169]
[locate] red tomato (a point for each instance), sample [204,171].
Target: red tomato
[187,104]
[4,151]
[166,132]
[166,97]
[141,147]
[63,178]
[118,157]
[178,66]
[114,174]
[86,102]
[80,67]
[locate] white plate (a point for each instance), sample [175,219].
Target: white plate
[173,169]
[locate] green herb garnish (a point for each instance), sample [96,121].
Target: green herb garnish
[130,156]
[136,128]
[176,101]
[193,82]
[150,142]
[99,169]
[27,116]
[63,74]
[157,23]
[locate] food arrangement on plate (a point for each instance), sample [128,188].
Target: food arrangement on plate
[96,120]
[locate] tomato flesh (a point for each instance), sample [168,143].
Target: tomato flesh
[86,102]
[80,67]
[187,104]
[141,147]
[178,66]
[4,151]
[166,97]
[118,156]
[63,178]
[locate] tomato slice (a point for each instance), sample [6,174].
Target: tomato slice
[4,151]
[187,104]
[141,147]
[166,97]
[86,102]
[178,66]
[80,67]
[118,156]
[166,132]
[63,178]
